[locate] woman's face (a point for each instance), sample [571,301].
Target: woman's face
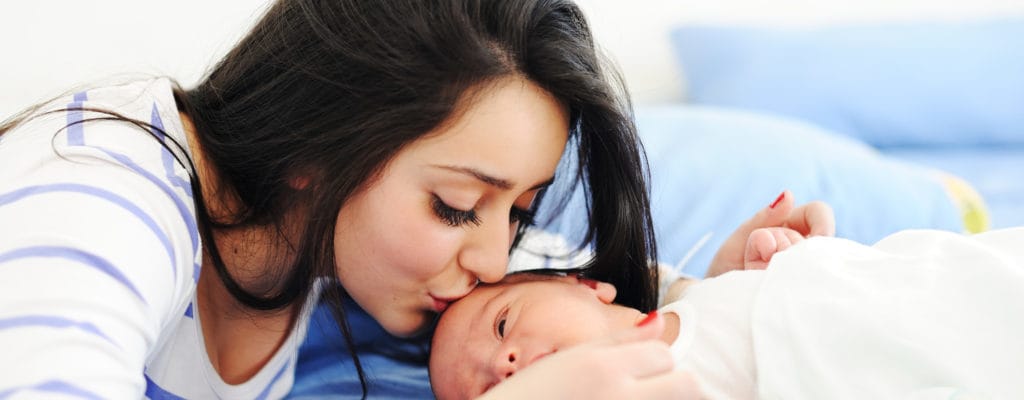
[444,211]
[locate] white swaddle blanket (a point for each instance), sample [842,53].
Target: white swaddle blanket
[919,315]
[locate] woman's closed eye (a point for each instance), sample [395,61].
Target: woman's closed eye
[455,217]
[452,216]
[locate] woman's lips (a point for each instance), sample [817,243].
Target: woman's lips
[440,305]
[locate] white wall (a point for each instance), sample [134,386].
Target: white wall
[50,46]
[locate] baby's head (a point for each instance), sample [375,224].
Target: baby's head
[499,329]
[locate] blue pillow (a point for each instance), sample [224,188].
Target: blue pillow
[889,84]
[713,168]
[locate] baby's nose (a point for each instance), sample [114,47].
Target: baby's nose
[505,364]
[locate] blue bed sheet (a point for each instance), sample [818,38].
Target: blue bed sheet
[996,172]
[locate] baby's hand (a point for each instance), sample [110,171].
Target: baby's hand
[811,219]
[763,243]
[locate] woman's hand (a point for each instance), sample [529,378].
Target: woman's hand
[811,219]
[632,365]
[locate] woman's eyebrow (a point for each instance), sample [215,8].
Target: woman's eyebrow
[499,183]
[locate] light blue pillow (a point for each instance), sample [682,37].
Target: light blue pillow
[890,84]
[713,168]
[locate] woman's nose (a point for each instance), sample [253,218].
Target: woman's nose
[486,253]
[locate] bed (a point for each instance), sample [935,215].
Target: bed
[903,123]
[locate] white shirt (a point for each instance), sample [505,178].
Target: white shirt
[714,342]
[919,315]
[100,254]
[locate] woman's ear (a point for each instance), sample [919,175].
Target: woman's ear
[299,182]
[300,179]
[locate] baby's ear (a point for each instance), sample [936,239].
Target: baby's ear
[604,291]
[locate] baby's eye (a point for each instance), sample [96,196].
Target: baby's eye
[499,324]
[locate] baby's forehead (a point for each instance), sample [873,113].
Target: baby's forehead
[468,308]
[513,284]
[508,288]
[531,276]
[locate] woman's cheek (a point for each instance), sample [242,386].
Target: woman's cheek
[426,248]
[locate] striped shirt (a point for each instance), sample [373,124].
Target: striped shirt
[100,255]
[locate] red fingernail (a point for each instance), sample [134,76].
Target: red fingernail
[778,200]
[651,316]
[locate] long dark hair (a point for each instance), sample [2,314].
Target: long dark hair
[335,89]
[339,87]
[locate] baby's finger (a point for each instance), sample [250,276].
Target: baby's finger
[792,237]
[761,244]
[784,237]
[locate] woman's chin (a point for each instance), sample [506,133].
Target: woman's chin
[410,326]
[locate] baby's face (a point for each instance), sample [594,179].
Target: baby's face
[500,329]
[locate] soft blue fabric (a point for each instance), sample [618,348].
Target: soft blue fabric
[713,168]
[997,173]
[325,368]
[890,84]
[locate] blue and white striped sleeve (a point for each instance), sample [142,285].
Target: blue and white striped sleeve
[96,260]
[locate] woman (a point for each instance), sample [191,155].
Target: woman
[398,151]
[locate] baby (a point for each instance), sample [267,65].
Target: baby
[919,315]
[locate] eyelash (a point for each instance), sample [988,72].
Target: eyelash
[499,324]
[455,217]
